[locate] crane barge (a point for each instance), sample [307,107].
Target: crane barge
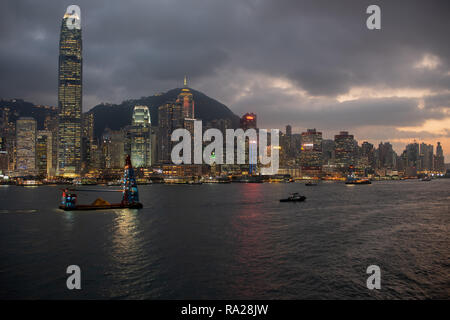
[130,198]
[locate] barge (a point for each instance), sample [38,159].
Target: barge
[130,198]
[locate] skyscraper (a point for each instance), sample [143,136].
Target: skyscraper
[439,159]
[44,153]
[311,157]
[344,150]
[139,137]
[186,99]
[70,94]
[170,117]
[26,146]
[248,121]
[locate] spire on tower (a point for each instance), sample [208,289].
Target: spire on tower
[185,81]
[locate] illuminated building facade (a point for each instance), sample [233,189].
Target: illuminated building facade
[26,146]
[69,97]
[345,149]
[311,158]
[139,137]
[87,140]
[170,117]
[439,163]
[248,121]
[186,99]
[44,153]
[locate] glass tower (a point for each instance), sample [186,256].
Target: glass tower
[70,95]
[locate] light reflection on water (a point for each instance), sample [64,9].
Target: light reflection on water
[232,241]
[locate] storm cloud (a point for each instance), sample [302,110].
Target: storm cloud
[304,63]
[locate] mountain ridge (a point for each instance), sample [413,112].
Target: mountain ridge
[116,116]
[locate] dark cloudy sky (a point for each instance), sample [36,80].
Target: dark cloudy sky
[304,63]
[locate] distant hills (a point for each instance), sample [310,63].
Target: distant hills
[21,108]
[116,116]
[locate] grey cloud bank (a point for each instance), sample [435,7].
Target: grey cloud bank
[288,61]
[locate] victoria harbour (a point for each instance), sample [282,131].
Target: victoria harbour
[231,241]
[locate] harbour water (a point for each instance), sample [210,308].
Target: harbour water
[230,241]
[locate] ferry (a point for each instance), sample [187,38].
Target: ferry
[294,197]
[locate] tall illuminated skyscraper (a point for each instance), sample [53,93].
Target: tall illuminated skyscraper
[186,98]
[70,94]
[26,145]
[139,136]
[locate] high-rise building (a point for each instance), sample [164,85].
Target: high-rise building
[386,156]
[248,121]
[426,156]
[51,125]
[44,153]
[186,99]
[26,146]
[70,96]
[439,163]
[311,157]
[413,154]
[288,130]
[113,148]
[170,117]
[328,150]
[139,138]
[141,116]
[345,149]
[87,140]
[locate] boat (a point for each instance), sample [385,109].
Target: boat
[352,179]
[426,178]
[310,184]
[358,181]
[294,197]
[130,198]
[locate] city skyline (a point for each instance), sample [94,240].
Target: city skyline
[332,88]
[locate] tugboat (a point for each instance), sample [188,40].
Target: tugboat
[352,179]
[130,197]
[294,197]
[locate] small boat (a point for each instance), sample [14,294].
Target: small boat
[358,181]
[310,184]
[294,197]
[426,178]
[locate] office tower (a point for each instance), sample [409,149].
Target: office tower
[139,138]
[113,148]
[288,130]
[69,97]
[26,146]
[368,154]
[186,99]
[413,154]
[386,156]
[328,149]
[426,156]
[344,150]
[8,134]
[44,153]
[141,116]
[51,125]
[170,118]
[248,121]
[311,157]
[87,140]
[439,164]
